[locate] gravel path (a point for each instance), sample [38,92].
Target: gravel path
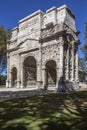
[12,93]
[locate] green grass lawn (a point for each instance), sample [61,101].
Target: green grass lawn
[49,112]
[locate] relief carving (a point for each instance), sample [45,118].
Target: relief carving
[70,32]
[49,31]
[49,53]
[30,23]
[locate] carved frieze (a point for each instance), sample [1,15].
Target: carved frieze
[69,31]
[50,31]
[30,23]
[51,52]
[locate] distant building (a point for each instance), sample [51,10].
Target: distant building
[43,49]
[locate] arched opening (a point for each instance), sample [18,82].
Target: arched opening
[51,73]
[29,71]
[14,77]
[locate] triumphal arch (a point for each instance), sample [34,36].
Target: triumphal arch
[43,50]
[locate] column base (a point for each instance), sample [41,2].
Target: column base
[18,83]
[7,83]
[72,80]
[22,86]
[39,84]
[77,80]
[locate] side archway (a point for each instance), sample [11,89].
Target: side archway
[29,71]
[14,77]
[51,73]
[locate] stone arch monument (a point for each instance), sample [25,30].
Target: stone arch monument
[44,48]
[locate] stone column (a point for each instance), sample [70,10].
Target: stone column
[44,77]
[38,75]
[18,72]
[9,73]
[73,76]
[60,62]
[76,58]
[10,78]
[61,74]
[67,74]
[57,77]
[39,72]
[8,70]
[22,76]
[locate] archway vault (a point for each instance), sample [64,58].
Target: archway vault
[51,73]
[30,71]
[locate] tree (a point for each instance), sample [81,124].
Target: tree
[82,69]
[84,48]
[82,65]
[4,35]
[83,60]
[3,79]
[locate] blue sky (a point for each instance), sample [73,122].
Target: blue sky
[11,11]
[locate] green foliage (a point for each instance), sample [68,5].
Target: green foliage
[4,35]
[82,69]
[3,79]
[84,48]
[82,65]
[83,61]
[82,76]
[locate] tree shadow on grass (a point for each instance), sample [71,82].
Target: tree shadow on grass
[17,127]
[54,125]
[47,112]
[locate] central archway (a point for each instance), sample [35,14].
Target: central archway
[51,73]
[29,71]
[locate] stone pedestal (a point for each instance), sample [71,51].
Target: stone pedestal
[7,83]
[44,77]
[18,83]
